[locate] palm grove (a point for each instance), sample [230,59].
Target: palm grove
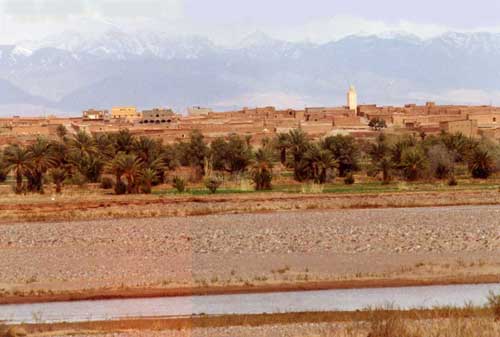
[130,164]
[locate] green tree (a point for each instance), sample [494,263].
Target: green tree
[320,163]
[42,159]
[123,141]
[345,151]
[17,160]
[233,156]
[299,144]
[377,124]
[197,152]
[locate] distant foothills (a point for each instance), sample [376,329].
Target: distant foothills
[63,75]
[257,124]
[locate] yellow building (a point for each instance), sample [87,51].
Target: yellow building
[352,99]
[124,112]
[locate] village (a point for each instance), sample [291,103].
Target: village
[360,121]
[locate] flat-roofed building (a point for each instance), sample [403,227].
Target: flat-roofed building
[129,112]
[199,111]
[96,115]
[158,116]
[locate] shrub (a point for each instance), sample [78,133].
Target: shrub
[107,183]
[392,327]
[481,163]
[441,162]
[179,184]
[120,188]
[349,180]
[78,179]
[213,184]
[494,303]
[452,181]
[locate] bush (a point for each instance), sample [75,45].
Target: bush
[179,184]
[120,188]
[349,180]
[481,163]
[107,183]
[452,181]
[78,179]
[494,303]
[441,162]
[213,184]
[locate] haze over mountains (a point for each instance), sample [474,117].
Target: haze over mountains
[73,71]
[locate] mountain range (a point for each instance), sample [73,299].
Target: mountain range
[74,71]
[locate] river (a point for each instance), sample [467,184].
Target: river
[303,301]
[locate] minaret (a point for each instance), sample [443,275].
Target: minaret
[352,99]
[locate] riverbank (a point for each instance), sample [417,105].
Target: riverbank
[81,205]
[248,253]
[469,322]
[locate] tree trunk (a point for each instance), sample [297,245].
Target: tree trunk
[19,183]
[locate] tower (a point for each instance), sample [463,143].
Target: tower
[352,99]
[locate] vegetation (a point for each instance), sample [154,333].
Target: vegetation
[213,183]
[377,124]
[133,165]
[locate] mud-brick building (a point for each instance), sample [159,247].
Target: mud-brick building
[158,116]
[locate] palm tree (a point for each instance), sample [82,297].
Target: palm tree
[320,163]
[385,166]
[149,152]
[413,163]
[61,132]
[298,147]
[148,176]
[17,160]
[262,169]
[282,144]
[481,163]
[42,159]
[131,167]
[115,168]
[124,141]
[58,176]
[83,145]
[105,146]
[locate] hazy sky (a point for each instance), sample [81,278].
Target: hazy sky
[229,20]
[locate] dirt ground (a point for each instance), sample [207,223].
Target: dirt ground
[94,205]
[337,247]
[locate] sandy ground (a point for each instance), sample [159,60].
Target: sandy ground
[251,249]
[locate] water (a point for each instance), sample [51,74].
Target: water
[304,301]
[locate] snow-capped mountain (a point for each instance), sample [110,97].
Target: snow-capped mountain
[118,44]
[74,71]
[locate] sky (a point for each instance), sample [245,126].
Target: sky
[226,21]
